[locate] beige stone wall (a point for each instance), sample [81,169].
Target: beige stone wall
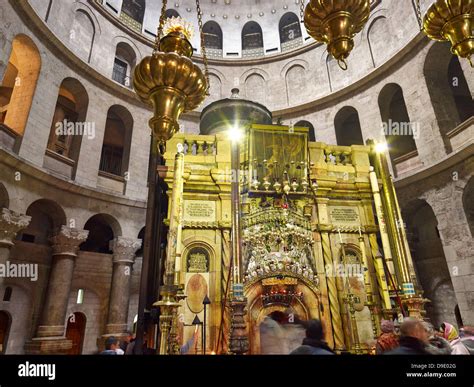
[389,50]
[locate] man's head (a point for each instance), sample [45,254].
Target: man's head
[128,336]
[111,344]
[412,327]
[314,330]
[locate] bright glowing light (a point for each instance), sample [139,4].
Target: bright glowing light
[381,147]
[235,133]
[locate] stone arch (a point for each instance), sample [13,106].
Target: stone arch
[47,217]
[468,204]
[103,228]
[309,125]
[255,88]
[399,129]
[347,126]
[19,83]
[82,34]
[215,89]
[448,89]
[71,108]
[378,32]
[115,154]
[430,261]
[295,79]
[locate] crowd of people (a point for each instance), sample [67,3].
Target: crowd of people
[411,337]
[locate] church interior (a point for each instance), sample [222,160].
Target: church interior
[189,172]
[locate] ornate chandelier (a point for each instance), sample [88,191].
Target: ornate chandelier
[169,79]
[335,23]
[453,21]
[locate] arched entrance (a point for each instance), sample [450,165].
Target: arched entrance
[276,304]
[75,331]
[5,324]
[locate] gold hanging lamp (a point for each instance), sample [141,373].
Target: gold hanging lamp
[453,21]
[169,79]
[335,23]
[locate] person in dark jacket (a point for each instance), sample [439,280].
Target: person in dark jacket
[414,338]
[313,343]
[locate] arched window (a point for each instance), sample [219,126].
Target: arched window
[7,296]
[135,10]
[47,217]
[290,31]
[19,84]
[124,63]
[399,131]
[213,38]
[252,39]
[347,125]
[4,199]
[117,138]
[102,228]
[69,124]
[171,13]
[306,124]
[449,92]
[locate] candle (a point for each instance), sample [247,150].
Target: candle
[360,232]
[340,236]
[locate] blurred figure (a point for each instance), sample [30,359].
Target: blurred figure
[111,346]
[413,338]
[126,341]
[467,337]
[438,345]
[387,340]
[272,335]
[450,333]
[314,343]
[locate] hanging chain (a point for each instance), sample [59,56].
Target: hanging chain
[203,45]
[159,33]
[302,11]
[418,14]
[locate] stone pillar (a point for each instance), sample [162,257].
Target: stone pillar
[124,256]
[65,246]
[10,223]
[50,334]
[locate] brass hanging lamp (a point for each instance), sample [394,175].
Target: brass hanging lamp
[335,23]
[453,21]
[169,79]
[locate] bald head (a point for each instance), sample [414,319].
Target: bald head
[413,327]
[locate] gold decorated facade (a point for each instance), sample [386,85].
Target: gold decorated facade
[312,224]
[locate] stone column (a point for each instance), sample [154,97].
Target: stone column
[65,246]
[50,334]
[10,223]
[124,256]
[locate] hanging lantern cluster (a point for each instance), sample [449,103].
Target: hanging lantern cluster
[169,79]
[453,21]
[335,23]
